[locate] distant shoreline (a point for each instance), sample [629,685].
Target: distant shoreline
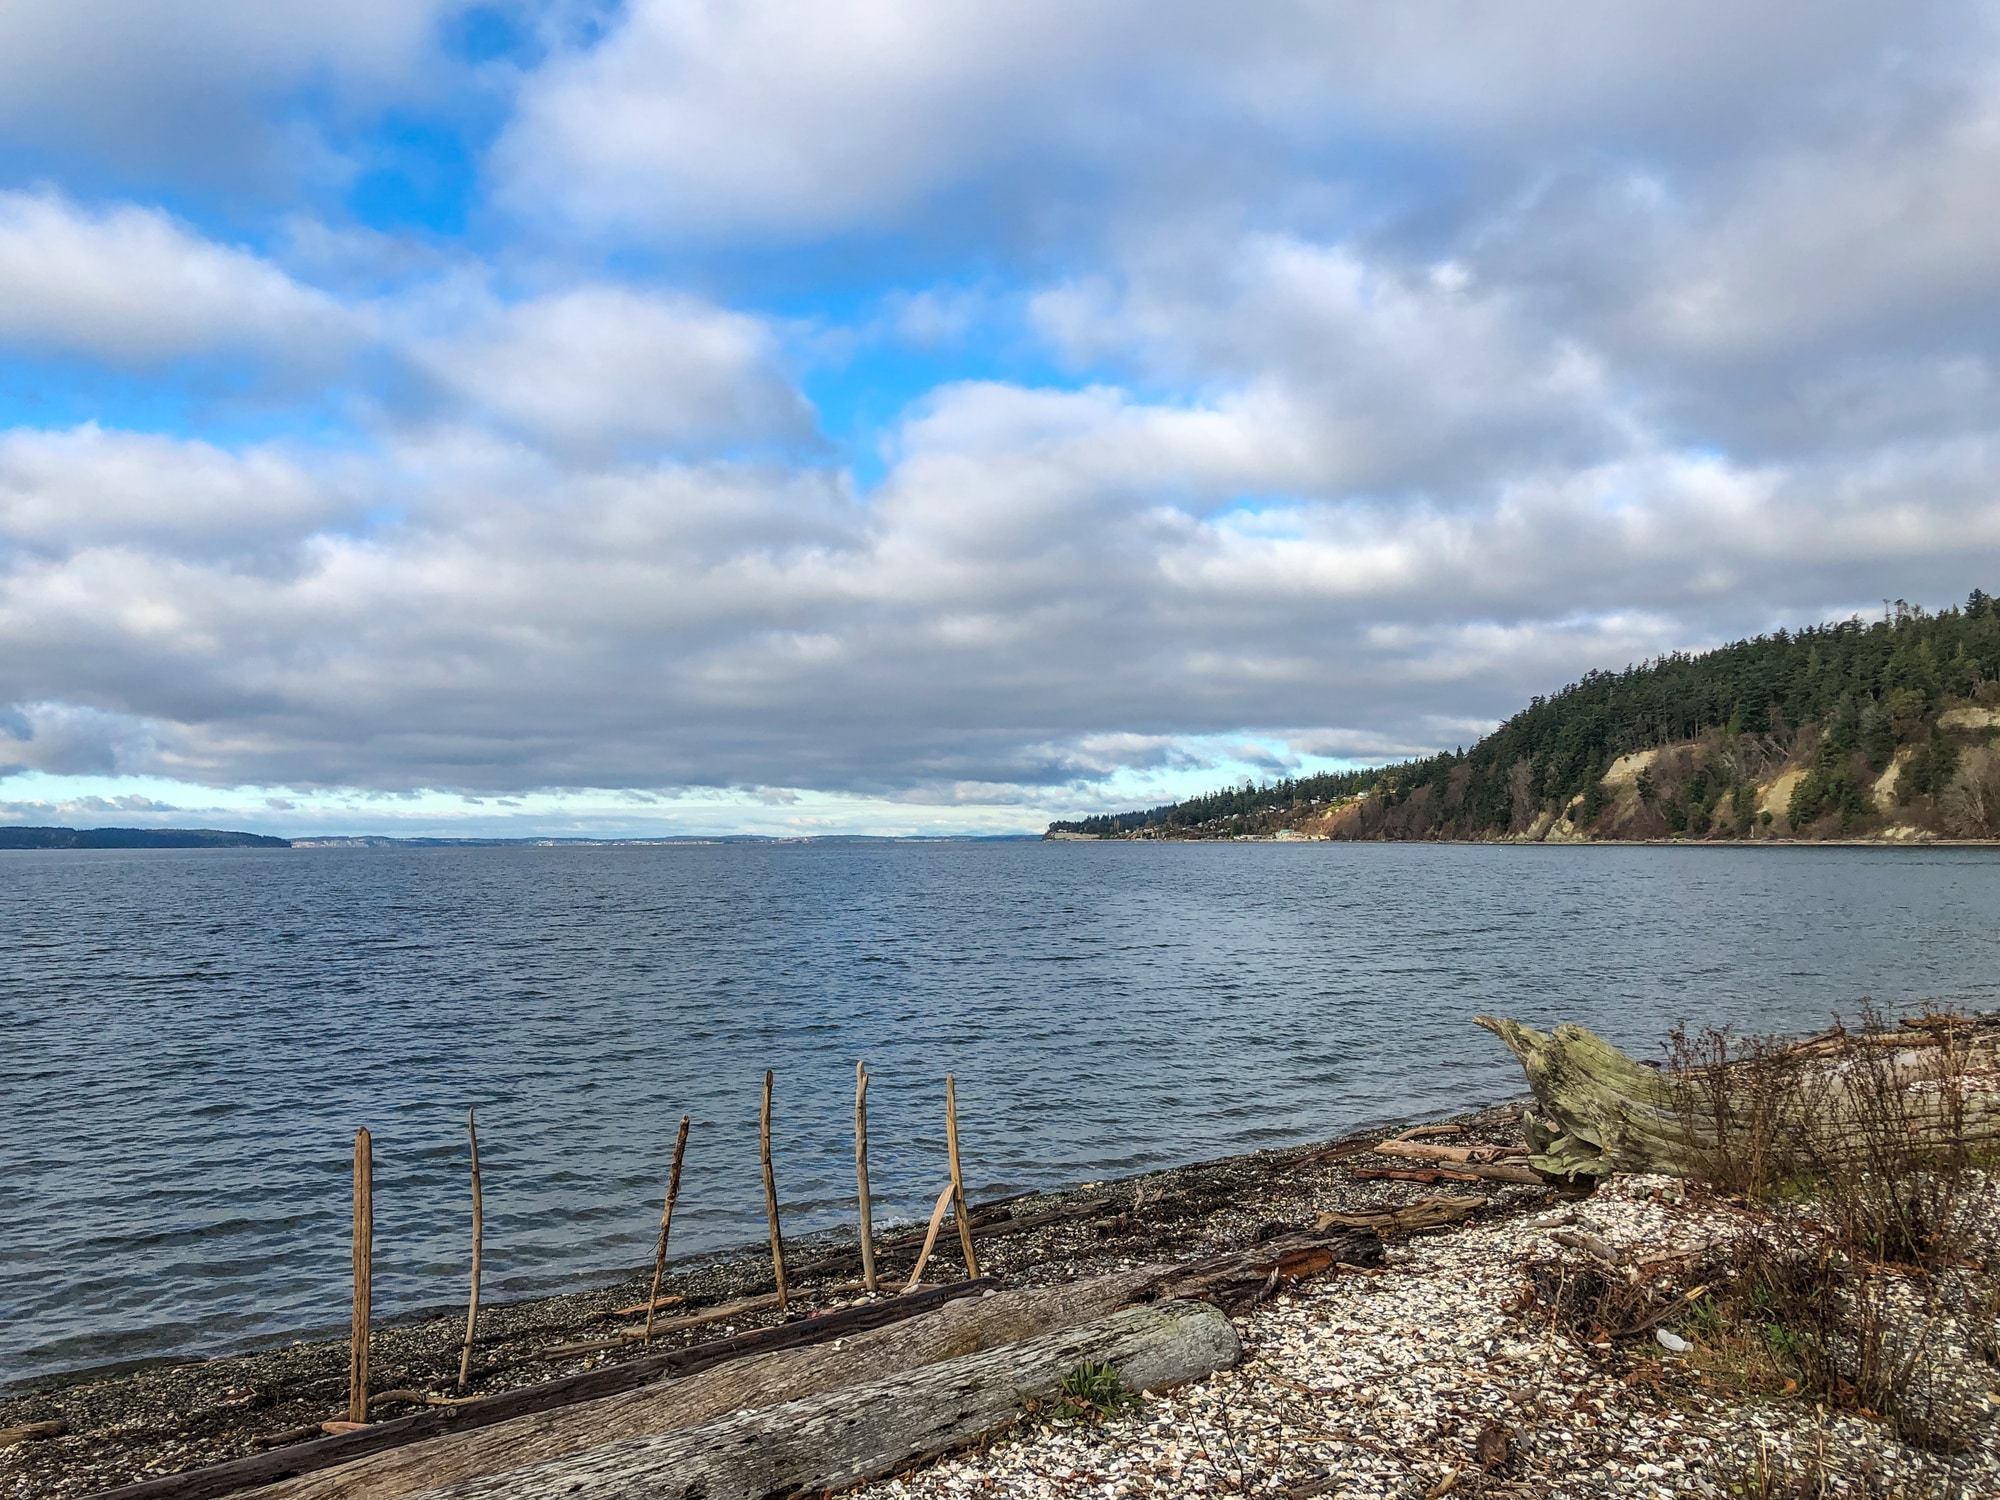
[136,838]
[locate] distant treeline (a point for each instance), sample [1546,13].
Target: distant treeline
[1866,689]
[135,838]
[1232,802]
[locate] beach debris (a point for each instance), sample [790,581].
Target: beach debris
[31,1432]
[364,1265]
[1599,1111]
[1590,1244]
[942,1331]
[1425,1175]
[1238,1280]
[1458,1155]
[930,1235]
[666,1227]
[844,1437]
[861,1176]
[1411,1218]
[771,1192]
[478,1235]
[957,1177]
[1670,1341]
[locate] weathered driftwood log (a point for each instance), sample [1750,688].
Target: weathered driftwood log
[1608,1113]
[586,1385]
[1463,1155]
[840,1438]
[1239,1279]
[956,1329]
[1601,1112]
[1425,1213]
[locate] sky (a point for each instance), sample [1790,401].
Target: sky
[923,416]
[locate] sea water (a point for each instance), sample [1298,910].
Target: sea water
[188,1040]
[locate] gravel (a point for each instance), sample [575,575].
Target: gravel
[1399,1383]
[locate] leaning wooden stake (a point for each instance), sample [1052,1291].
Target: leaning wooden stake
[666,1224]
[364,1252]
[958,1208]
[771,1198]
[861,1175]
[930,1238]
[478,1225]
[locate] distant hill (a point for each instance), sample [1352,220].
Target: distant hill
[135,838]
[1881,730]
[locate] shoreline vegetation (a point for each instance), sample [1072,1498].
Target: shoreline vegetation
[1853,732]
[1514,1301]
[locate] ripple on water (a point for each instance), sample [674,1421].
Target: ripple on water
[193,1036]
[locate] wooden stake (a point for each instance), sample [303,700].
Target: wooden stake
[364,1255]
[771,1198]
[958,1208]
[930,1237]
[861,1175]
[666,1223]
[478,1231]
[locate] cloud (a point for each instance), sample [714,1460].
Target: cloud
[68,739]
[88,488]
[196,90]
[597,368]
[762,120]
[132,287]
[1046,589]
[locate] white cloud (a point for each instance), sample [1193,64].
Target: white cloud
[130,286]
[598,367]
[88,487]
[1048,587]
[766,118]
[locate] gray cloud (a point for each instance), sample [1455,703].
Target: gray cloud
[184,89]
[596,368]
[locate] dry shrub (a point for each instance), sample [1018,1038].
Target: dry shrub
[1877,1244]
[1774,1473]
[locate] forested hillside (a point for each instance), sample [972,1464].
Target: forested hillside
[1854,729]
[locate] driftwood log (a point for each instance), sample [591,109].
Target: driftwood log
[841,1438]
[959,1328]
[1601,1112]
[1410,1218]
[963,1327]
[1604,1112]
[1240,1279]
[1477,1163]
[586,1385]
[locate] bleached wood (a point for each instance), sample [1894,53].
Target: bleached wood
[840,1438]
[954,1330]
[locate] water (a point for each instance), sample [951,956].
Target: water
[191,1038]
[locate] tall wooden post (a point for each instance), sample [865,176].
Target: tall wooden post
[861,1175]
[771,1199]
[666,1224]
[364,1256]
[957,1178]
[478,1229]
